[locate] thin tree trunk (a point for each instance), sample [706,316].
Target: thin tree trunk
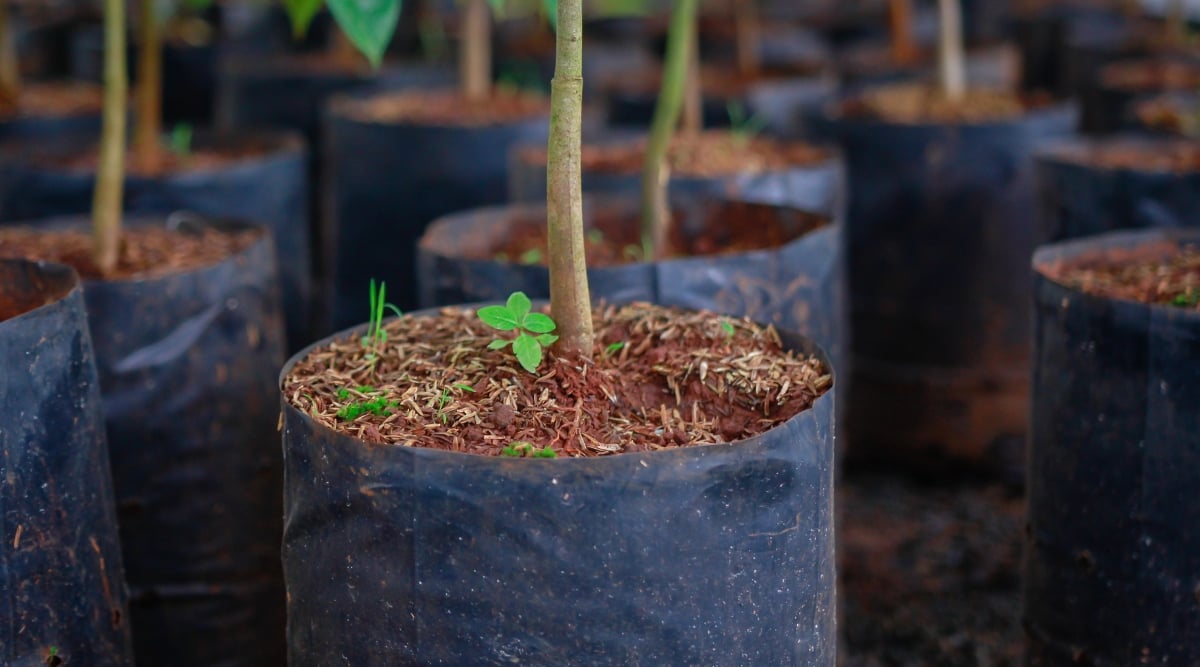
[147,139]
[110,176]
[655,219]
[904,49]
[476,62]
[570,300]
[693,95]
[951,67]
[10,71]
[745,16]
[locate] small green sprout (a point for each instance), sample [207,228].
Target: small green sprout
[614,348]
[1190,297]
[595,235]
[727,327]
[180,142]
[742,126]
[376,335]
[444,399]
[523,449]
[532,256]
[632,252]
[533,329]
[378,406]
[52,660]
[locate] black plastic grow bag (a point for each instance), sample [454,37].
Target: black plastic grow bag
[712,555]
[268,188]
[388,181]
[60,565]
[938,239]
[1079,198]
[48,127]
[1112,562]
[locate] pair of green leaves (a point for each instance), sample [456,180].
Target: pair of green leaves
[533,329]
[369,24]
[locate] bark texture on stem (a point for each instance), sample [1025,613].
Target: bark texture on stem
[951,61]
[110,175]
[904,49]
[570,299]
[147,138]
[475,65]
[666,115]
[10,72]
[745,17]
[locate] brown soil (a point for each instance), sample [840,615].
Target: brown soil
[1151,75]
[918,103]
[56,99]
[446,107]
[720,82]
[201,158]
[326,62]
[614,237]
[1158,274]
[24,300]
[1167,114]
[1175,156]
[679,378]
[146,252]
[708,154]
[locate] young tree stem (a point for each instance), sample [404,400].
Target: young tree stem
[951,67]
[904,49]
[693,94]
[147,138]
[745,17]
[570,300]
[110,175]
[10,72]
[475,65]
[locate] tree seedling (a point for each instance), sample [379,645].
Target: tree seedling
[522,449]
[743,126]
[376,335]
[533,329]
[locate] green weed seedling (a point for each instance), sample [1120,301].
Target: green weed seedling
[614,348]
[532,256]
[1191,297]
[727,327]
[533,329]
[376,335]
[523,449]
[181,140]
[444,399]
[742,126]
[378,406]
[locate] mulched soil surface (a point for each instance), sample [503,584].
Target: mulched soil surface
[929,574]
[918,103]
[447,108]
[1176,156]
[1170,279]
[56,99]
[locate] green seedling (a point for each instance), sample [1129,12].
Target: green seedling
[743,127]
[614,348]
[727,327]
[523,449]
[378,406]
[533,329]
[595,236]
[444,399]
[181,140]
[52,660]
[1191,297]
[532,256]
[376,335]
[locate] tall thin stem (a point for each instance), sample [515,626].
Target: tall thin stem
[693,94]
[951,67]
[10,72]
[666,116]
[475,65]
[904,48]
[147,138]
[570,299]
[745,17]
[110,177]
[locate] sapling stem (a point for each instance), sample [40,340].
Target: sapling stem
[10,71]
[666,115]
[110,175]
[570,300]
[475,65]
[951,67]
[904,48]
[745,17]
[693,95]
[147,138]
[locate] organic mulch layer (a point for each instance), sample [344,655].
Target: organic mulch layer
[1168,113]
[446,107]
[146,252]
[920,103]
[1151,75]
[55,99]
[715,82]
[1176,156]
[1149,276]
[200,158]
[660,378]
[929,574]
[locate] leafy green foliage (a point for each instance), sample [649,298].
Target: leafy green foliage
[180,141]
[727,327]
[378,406]
[301,13]
[1190,297]
[522,449]
[614,348]
[533,329]
[743,126]
[368,24]
[376,335]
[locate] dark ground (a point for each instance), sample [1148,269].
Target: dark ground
[929,575]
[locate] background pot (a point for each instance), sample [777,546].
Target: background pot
[938,239]
[60,567]
[1112,560]
[1111,106]
[717,555]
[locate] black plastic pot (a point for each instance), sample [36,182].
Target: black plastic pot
[269,188]
[1112,563]
[48,127]
[714,555]
[1079,198]
[388,181]
[60,567]
[938,238]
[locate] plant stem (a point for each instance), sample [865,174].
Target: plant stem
[10,72]
[951,67]
[904,49]
[147,138]
[110,176]
[666,115]
[475,73]
[693,96]
[745,17]
[570,299]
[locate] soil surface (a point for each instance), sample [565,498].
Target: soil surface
[55,99]
[1169,114]
[704,155]
[146,252]
[716,82]
[1154,275]
[15,302]
[1176,156]
[446,107]
[198,159]
[920,103]
[1151,75]
[660,378]
[930,575]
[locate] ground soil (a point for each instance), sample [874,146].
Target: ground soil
[1161,274]
[716,82]
[199,159]
[146,252]
[922,103]
[18,303]
[1176,156]
[660,378]
[446,107]
[1151,75]
[55,99]
[1169,114]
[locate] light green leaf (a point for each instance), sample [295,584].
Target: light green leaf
[369,24]
[538,323]
[528,351]
[547,340]
[498,344]
[519,305]
[499,317]
[301,12]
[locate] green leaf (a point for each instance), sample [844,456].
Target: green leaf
[464,387]
[528,351]
[498,344]
[546,453]
[613,348]
[546,340]
[533,255]
[499,317]
[538,323]
[301,12]
[519,305]
[551,9]
[368,23]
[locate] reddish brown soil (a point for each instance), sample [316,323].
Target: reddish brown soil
[1161,274]
[146,252]
[708,154]
[918,103]
[55,99]
[446,107]
[12,305]
[1176,156]
[677,379]
[720,82]
[1151,75]
[1166,114]
[201,158]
